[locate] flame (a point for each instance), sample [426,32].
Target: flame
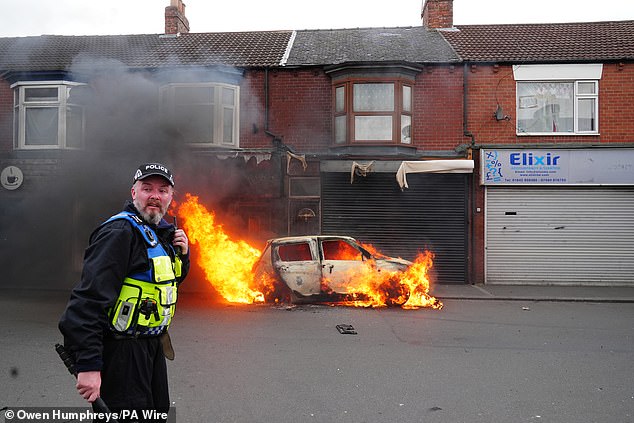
[370,287]
[416,279]
[227,265]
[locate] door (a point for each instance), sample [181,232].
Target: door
[298,265]
[342,262]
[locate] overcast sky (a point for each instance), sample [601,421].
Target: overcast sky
[90,17]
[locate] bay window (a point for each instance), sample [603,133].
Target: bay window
[204,114]
[372,112]
[46,116]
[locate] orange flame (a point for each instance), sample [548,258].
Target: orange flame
[369,287]
[227,265]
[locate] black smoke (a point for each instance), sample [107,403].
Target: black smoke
[67,194]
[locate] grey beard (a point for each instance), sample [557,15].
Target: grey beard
[149,218]
[153,219]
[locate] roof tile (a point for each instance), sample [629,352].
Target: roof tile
[552,42]
[335,46]
[55,52]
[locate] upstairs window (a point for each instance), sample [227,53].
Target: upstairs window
[557,99]
[373,112]
[204,114]
[46,116]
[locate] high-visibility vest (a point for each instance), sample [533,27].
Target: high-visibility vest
[147,300]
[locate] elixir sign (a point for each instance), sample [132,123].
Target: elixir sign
[606,166]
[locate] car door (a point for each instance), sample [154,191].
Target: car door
[342,261]
[298,265]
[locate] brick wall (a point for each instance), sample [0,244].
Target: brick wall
[616,96]
[489,85]
[437,109]
[6,117]
[300,104]
[299,109]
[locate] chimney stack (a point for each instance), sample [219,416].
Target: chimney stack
[437,14]
[175,20]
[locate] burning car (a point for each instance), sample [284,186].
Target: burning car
[327,268]
[303,269]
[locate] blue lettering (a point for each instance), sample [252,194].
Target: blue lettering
[515,159]
[527,159]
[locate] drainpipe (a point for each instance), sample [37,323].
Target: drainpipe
[465,103]
[266,99]
[467,133]
[279,148]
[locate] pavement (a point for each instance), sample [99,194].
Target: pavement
[569,293]
[561,293]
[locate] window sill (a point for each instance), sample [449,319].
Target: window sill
[383,150]
[557,134]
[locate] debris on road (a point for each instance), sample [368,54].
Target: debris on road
[346,330]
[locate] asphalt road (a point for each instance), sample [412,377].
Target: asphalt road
[472,361]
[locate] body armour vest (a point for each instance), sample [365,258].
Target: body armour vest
[147,300]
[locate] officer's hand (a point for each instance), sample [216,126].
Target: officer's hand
[88,384]
[181,241]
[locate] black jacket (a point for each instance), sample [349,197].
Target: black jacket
[116,250]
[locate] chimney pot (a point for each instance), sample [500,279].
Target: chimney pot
[437,14]
[175,20]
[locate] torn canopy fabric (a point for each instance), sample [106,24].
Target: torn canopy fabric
[431,166]
[360,169]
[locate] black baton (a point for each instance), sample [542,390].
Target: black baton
[99,404]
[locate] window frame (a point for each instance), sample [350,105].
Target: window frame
[316,180]
[585,96]
[168,106]
[346,115]
[574,74]
[62,105]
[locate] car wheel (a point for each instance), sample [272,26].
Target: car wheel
[395,293]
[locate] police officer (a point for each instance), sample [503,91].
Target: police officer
[115,323]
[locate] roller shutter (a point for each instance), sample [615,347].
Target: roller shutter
[430,214]
[566,235]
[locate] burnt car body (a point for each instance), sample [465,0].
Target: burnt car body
[318,268]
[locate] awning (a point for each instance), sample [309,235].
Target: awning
[431,166]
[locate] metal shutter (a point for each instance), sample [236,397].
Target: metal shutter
[565,235]
[430,214]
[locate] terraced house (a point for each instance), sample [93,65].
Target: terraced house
[504,149]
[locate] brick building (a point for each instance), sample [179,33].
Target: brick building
[293,132]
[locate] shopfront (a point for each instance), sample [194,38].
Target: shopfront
[559,216]
[428,210]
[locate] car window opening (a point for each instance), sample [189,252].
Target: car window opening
[294,252]
[340,250]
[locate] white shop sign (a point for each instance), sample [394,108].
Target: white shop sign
[604,166]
